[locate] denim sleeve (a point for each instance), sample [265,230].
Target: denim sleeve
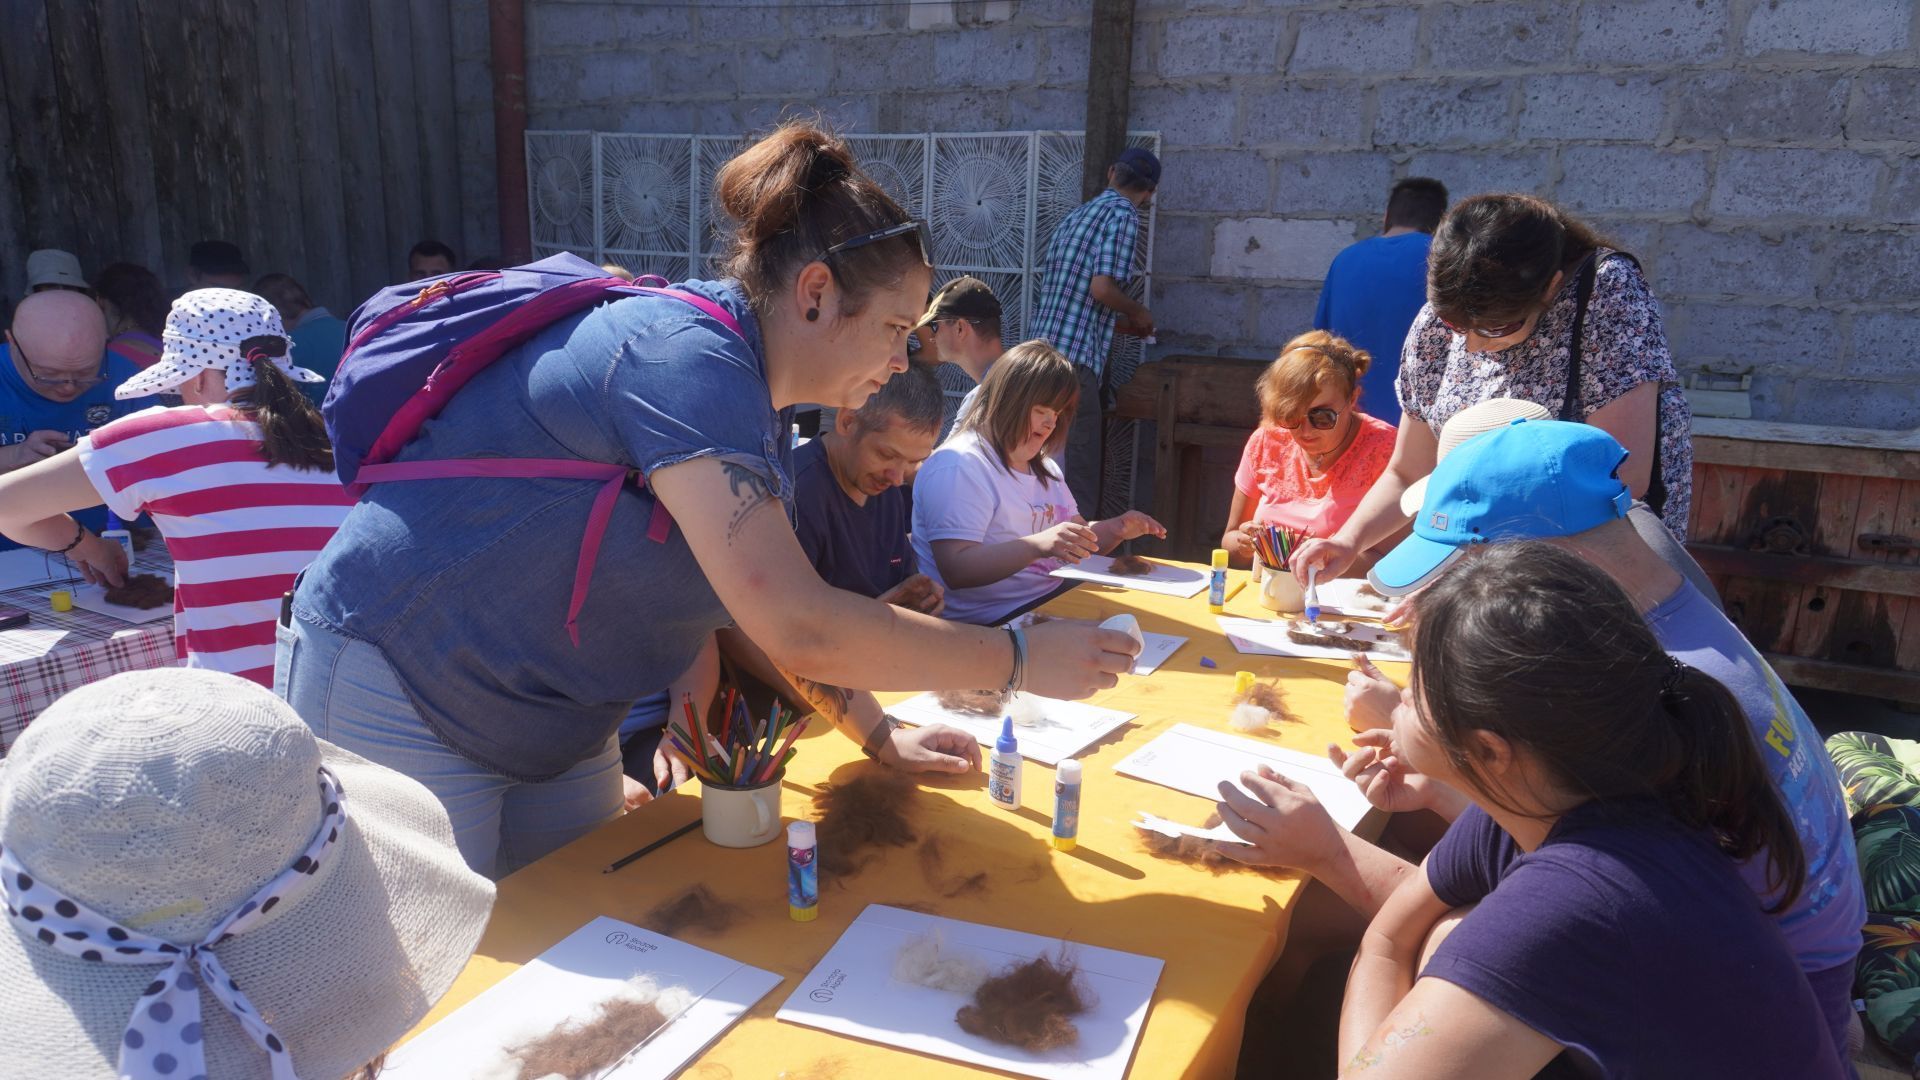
[679,390]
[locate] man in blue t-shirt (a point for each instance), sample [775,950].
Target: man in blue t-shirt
[1375,288]
[850,511]
[318,335]
[56,383]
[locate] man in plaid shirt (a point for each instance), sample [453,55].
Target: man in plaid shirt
[1089,262]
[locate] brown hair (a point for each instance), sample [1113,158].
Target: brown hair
[1029,374]
[1531,643]
[1493,256]
[1307,365]
[136,292]
[793,195]
[291,430]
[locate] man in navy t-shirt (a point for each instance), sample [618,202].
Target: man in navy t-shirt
[1375,288]
[850,511]
[56,383]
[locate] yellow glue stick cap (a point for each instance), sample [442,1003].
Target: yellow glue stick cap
[1242,682]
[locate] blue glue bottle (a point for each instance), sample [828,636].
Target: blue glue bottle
[1066,805]
[1003,768]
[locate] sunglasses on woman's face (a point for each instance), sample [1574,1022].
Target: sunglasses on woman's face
[1505,330]
[1320,419]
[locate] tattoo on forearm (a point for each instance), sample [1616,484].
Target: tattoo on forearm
[751,493]
[834,702]
[1392,1040]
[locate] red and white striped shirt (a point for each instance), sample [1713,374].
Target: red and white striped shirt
[239,529]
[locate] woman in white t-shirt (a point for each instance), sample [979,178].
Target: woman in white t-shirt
[992,516]
[239,480]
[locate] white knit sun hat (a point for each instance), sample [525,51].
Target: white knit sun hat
[1465,424]
[163,801]
[204,330]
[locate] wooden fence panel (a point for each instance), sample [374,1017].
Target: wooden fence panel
[316,134]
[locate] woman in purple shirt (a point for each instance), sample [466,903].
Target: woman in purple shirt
[1613,790]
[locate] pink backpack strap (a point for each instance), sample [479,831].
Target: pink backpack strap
[612,478]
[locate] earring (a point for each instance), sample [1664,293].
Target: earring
[813,314]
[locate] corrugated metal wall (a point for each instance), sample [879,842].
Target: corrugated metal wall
[319,135]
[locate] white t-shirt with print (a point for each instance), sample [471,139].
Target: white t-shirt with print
[963,492]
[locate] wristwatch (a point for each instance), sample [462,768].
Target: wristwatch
[878,737]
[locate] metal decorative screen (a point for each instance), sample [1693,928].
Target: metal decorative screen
[992,200]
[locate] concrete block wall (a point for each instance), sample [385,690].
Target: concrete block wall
[1762,157]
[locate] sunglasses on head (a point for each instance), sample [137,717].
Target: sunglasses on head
[1320,419]
[918,228]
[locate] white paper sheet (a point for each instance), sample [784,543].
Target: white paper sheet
[1153,823]
[25,567]
[1068,727]
[852,991]
[94,598]
[1163,579]
[1351,597]
[566,982]
[1268,637]
[1195,760]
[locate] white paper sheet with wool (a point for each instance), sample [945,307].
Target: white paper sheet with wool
[852,991]
[1195,760]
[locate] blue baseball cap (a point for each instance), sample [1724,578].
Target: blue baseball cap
[1143,164]
[1530,480]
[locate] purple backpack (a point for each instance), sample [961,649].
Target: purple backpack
[411,348]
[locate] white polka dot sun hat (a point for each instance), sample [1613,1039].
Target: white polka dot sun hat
[197,887]
[204,330]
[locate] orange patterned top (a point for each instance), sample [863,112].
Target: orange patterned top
[1275,473]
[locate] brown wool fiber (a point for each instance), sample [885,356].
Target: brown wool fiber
[1131,566]
[579,1050]
[695,909]
[933,860]
[972,702]
[1191,850]
[868,811]
[1331,634]
[1030,1005]
[141,591]
[1265,695]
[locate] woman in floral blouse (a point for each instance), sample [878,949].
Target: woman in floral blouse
[1504,282]
[1315,454]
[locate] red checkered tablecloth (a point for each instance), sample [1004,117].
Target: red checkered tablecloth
[60,650]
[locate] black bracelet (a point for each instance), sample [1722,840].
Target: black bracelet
[79,534]
[877,738]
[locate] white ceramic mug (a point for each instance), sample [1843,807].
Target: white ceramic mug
[1281,591]
[741,817]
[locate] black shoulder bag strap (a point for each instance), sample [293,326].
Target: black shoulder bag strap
[1570,409]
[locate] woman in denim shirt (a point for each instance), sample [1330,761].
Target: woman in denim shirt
[429,634]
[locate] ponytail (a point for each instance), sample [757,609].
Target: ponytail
[793,195]
[1719,782]
[291,430]
[1531,643]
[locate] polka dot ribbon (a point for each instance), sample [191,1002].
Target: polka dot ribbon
[163,1040]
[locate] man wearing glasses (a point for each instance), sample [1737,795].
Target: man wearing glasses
[56,383]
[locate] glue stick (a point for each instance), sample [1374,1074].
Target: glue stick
[1066,804]
[1003,768]
[803,873]
[1217,588]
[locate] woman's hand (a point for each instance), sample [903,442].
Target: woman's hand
[101,562]
[668,770]
[1389,783]
[1370,696]
[1283,825]
[918,593]
[1239,543]
[634,794]
[1072,660]
[1068,541]
[1331,557]
[1134,524]
[934,748]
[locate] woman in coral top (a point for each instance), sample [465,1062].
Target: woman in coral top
[1315,454]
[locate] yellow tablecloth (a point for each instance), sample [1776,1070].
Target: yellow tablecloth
[1217,933]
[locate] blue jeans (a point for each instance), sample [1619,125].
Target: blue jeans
[348,694]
